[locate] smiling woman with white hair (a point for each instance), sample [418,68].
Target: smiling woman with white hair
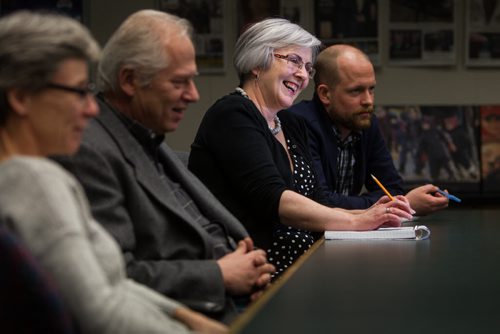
[254,157]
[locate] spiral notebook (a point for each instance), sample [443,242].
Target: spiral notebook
[419,232]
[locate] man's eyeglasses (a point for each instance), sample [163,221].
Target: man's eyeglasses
[298,63]
[84,92]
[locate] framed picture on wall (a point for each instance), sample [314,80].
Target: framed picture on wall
[207,18]
[434,144]
[290,10]
[482,46]
[72,8]
[422,32]
[490,148]
[352,22]
[251,11]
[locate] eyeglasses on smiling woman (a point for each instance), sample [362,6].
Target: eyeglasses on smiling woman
[297,62]
[83,92]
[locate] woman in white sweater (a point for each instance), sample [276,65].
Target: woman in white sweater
[45,103]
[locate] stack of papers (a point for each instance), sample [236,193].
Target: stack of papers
[419,232]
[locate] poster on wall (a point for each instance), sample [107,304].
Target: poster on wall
[352,22]
[422,33]
[207,19]
[490,148]
[72,8]
[482,47]
[434,144]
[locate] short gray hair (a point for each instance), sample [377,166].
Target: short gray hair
[256,45]
[139,43]
[32,47]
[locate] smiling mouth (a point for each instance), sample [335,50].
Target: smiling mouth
[291,86]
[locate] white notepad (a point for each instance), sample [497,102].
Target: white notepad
[419,232]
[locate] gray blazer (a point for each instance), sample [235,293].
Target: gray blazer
[163,247]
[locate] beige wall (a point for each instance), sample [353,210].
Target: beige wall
[395,85]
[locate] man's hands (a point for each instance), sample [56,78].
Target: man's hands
[425,200]
[246,271]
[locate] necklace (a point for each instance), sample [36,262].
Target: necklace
[277,126]
[277,122]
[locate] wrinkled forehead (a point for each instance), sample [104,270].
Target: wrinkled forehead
[181,52]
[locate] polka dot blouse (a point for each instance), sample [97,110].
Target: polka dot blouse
[290,243]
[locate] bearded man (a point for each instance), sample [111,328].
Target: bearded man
[345,139]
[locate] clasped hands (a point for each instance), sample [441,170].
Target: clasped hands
[246,270]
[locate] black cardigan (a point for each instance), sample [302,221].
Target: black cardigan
[244,166]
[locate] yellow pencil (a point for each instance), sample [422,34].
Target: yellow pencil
[382,187]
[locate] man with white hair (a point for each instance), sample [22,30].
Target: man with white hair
[175,236]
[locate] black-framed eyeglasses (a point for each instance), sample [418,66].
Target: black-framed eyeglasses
[82,91]
[298,63]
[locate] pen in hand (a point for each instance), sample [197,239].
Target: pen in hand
[450,196]
[382,187]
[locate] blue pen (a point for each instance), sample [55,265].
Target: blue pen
[450,196]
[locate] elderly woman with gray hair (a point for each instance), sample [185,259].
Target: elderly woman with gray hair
[255,159]
[46,102]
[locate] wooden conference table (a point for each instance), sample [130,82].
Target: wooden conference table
[449,283]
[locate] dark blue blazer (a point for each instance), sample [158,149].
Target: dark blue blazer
[372,157]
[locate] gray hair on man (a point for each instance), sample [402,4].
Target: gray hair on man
[139,44]
[256,45]
[32,47]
